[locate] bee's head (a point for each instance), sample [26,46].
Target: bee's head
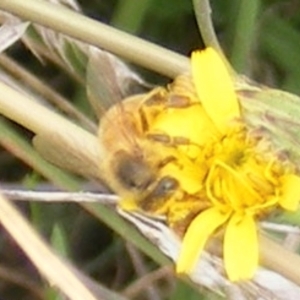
[141,182]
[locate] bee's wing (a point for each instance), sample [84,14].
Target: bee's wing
[74,150]
[109,80]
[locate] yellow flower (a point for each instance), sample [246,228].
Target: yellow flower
[226,177]
[244,179]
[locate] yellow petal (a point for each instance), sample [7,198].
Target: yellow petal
[214,87]
[290,192]
[190,123]
[200,229]
[241,248]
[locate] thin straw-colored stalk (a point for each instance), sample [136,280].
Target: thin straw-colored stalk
[135,288]
[40,254]
[279,259]
[50,94]
[23,195]
[30,114]
[45,122]
[134,49]
[138,261]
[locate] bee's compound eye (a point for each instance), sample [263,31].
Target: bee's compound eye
[164,188]
[166,185]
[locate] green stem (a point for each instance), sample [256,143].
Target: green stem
[203,16]
[66,21]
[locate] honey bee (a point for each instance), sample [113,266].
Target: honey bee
[142,164]
[139,162]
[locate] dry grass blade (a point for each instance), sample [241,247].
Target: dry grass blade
[23,195]
[141,284]
[209,271]
[151,291]
[29,79]
[10,32]
[68,3]
[53,132]
[41,255]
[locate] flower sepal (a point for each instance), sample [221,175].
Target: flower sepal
[273,114]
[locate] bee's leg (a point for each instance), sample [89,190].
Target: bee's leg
[152,105]
[160,138]
[156,98]
[170,141]
[178,101]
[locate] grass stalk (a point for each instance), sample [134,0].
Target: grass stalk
[73,24]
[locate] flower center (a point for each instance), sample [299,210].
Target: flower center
[239,180]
